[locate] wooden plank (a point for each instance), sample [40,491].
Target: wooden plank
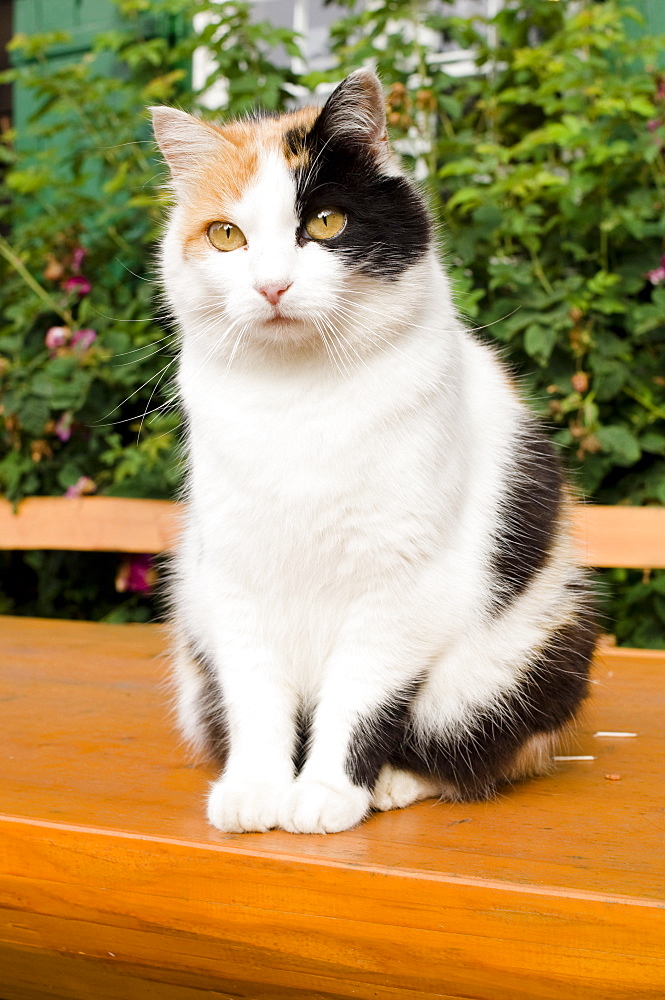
[554,891]
[633,537]
[247,922]
[39,974]
[89,524]
[606,536]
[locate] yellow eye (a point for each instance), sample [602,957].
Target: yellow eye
[226,236]
[325,224]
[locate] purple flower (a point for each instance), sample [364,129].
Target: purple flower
[658,273]
[57,337]
[78,256]
[78,284]
[82,339]
[136,573]
[63,427]
[82,487]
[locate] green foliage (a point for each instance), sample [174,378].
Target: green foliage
[634,606]
[545,170]
[73,585]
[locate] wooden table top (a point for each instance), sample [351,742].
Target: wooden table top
[88,748]
[86,734]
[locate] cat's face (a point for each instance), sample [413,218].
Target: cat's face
[293,229]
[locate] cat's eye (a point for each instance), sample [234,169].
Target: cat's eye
[226,236]
[325,224]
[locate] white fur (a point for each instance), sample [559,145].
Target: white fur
[185,142]
[344,466]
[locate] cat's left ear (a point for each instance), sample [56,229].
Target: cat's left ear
[186,142]
[357,109]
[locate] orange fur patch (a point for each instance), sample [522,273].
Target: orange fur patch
[535,756]
[225,175]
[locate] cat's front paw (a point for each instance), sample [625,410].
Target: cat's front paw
[236,806]
[312,807]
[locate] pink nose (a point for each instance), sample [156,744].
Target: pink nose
[274,292]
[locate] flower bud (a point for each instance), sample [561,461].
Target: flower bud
[580,382]
[53,270]
[57,336]
[82,339]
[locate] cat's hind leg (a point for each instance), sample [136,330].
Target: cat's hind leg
[396,789]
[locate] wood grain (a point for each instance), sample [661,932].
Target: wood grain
[605,536]
[89,524]
[110,878]
[633,537]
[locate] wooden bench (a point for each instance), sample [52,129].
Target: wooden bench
[113,887]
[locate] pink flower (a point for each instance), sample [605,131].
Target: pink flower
[136,573]
[82,339]
[82,487]
[658,274]
[63,427]
[654,124]
[78,256]
[57,337]
[78,284]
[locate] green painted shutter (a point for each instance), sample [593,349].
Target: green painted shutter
[81,19]
[653,12]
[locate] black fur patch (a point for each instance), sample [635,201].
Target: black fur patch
[375,738]
[303,734]
[528,519]
[475,759]
[294,140]
[387,229]
[211,710]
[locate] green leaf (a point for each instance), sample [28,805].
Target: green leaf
[609,378]
[620,442]
[653,442]
[33,415]
[539,342]
[70,473]
[63,395]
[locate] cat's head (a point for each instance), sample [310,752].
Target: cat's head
[291,229]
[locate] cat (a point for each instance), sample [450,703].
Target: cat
[375,598]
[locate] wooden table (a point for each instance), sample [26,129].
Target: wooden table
[113,886]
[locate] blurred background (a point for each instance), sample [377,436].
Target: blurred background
[535,129]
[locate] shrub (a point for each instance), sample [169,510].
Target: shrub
[545,170]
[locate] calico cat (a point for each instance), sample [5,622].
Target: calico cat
[375,599]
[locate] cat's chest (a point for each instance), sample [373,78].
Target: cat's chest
[295,442]
[316,475]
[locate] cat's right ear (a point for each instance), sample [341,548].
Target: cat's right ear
[186,143]
[357,109]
